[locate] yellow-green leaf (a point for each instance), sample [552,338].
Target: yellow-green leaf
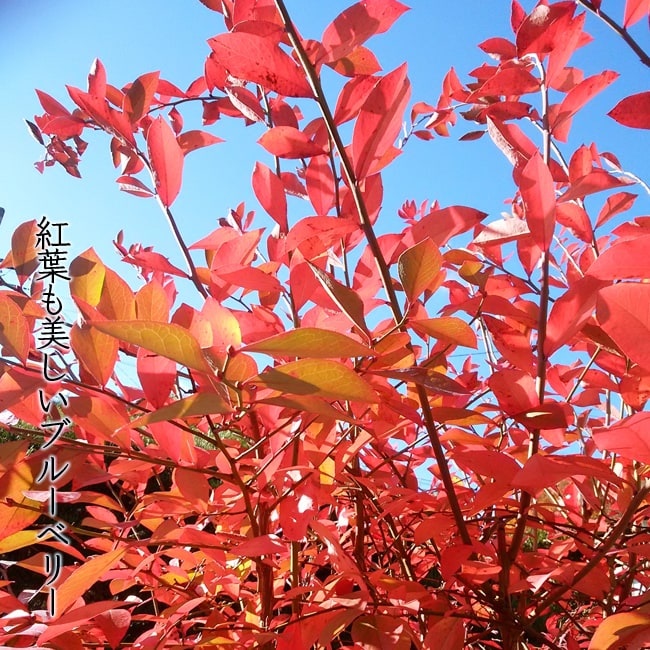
[448,329]
[166,339]
[14,329]
[311,342]
[418,267]
[319,377]
[195,405]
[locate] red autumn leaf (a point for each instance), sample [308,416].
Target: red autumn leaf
[97,80]
[538,194]
[626,260]
[357,24]
[570,312]
[575,217]
[615,204]
[138,98]
[289,142]
[134,186]
[633,111]
[441,224]
[191,140]
[511,80]
[597,180]
[514,390]
[269,191]
[166,157]
[259,60]
[262,545]
[541,471]
[380,120]
[320,184]
[576,98]
[635,10]
[623,311]
[628,437]
[352,97]
[157,376]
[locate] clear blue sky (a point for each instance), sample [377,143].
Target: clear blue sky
[49,44]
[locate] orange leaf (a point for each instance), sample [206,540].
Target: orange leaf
[14,329]
[97,352]
[166,157]
[618,629]
[23,250]
[447,328]
[139,96]
[418,267]
[85,577]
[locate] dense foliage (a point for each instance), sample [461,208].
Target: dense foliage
[431,438]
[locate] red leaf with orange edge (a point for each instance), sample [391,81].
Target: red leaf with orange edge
[633,111]
[380,120]
[269,191]
[166,157]
[538,194]
[289,142]
[254,58]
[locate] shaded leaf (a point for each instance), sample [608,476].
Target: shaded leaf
[134,186]
[24,257]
